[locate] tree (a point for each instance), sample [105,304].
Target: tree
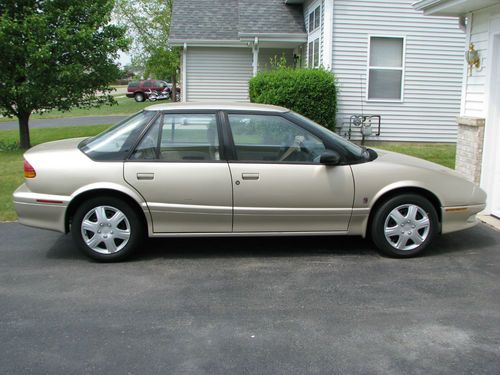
[56,54]
[148,23]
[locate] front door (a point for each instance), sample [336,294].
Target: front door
[279,184]
[177,169]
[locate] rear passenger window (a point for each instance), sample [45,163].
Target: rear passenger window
[189,137]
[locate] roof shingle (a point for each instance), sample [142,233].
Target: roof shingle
[225,19]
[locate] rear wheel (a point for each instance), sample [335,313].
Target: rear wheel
[139,97]
[107,229]
[404,226]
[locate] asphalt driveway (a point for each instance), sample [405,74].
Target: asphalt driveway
[249,306]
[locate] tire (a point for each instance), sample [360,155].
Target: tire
[404,226]
[107,229]
[139,97]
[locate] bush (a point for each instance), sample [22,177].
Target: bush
[310,92]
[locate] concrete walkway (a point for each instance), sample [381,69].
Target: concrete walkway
[65,121]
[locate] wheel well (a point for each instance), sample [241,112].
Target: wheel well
[73,205]
[405,190]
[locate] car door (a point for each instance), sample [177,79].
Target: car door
[279,184]
[178,170]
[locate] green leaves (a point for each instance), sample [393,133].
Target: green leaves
[148,26]
[310,92]
[57,54]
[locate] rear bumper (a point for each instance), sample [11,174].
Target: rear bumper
[40,210]
[460,217]
[129,95]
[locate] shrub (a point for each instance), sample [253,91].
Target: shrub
[310,92]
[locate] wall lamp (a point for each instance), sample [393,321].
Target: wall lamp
[472,58]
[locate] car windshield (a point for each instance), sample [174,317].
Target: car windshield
[116,142]
[353,149]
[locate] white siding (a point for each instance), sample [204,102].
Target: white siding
[218,73]
[474,101]
[433,68]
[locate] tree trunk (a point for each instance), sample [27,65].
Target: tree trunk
[24,130]
[174,87]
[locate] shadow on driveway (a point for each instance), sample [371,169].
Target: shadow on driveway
[264,247]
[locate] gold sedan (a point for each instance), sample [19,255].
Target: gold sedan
[236,170]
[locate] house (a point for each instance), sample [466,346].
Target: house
[478,145]
[389,59]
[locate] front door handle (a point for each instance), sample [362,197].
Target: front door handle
[145,176]
[250,176]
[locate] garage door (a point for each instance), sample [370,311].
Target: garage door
[218,73]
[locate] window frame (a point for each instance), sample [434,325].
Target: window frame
[235,159]
[402,69]
[330,144]
[314,35]
[161,114]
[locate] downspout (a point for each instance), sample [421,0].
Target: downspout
[255,49]
[184,73]
[328,34]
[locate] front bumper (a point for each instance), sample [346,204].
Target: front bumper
[40,210]
[460,217]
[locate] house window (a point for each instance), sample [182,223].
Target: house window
[313,38]
[386,68]
[313,57]
[315,19]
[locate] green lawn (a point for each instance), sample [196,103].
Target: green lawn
[441,153]
[125,106]
[11,160]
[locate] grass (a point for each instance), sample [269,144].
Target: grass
[125,106]
[439,153]
[11,162]
[11,159]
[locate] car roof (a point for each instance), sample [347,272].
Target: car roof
[223,106]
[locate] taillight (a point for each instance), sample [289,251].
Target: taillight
[29,171]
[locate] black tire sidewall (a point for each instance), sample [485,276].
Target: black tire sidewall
[378,222]
[139,97]
[136,228]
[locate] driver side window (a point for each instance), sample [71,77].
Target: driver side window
[273,138]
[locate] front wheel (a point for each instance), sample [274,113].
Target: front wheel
[404,226]
[106,229]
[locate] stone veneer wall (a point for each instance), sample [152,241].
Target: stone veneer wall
[470,147]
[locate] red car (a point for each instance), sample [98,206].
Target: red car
[139,89]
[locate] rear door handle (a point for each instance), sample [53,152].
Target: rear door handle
[145,176]
[250,176]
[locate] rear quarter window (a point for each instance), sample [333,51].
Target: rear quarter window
[116,142]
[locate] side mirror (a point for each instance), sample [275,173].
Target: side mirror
[329,157]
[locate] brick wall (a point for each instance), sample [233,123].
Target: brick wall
[470,147]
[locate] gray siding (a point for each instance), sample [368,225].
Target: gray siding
[433,68]
[218,73]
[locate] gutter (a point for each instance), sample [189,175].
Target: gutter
[274,37]
[206,42]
